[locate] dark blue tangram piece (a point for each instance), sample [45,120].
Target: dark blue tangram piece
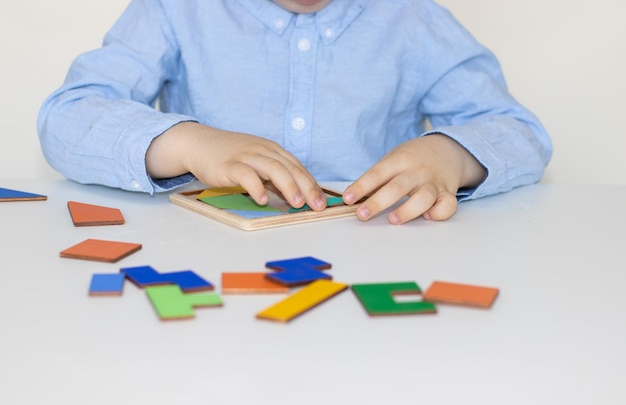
[15,195]
[299,271]
[187,280]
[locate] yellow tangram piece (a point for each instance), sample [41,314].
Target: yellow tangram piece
[217,191]
[303,300]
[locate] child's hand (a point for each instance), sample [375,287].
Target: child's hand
[429,170]
[219,158]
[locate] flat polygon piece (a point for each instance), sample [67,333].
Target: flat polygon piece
[217,191]
[298,271]
[250,283]
[101,250]
[170,302]
[187,280]
[237,202]
[106,284]
[8,195]
[94,215]
[251,214]
[302,301]
[461,294]
[378,298]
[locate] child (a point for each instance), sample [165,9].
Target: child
[295,92]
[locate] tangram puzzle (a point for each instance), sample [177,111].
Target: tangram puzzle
[7,195]
[93,215]
[233,206]
[174,295]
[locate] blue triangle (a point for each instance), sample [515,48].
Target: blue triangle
[15,195]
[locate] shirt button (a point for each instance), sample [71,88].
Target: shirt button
[135,185]
[304,44]
[279,23]
[298,123]
[329,33]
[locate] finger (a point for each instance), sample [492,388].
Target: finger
[248,178]
[384,198]
[418,202]
[444,207]
[368,183]
[294,182]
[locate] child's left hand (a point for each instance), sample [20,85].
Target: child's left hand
[429,170]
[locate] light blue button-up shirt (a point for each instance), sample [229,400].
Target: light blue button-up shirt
[338,89]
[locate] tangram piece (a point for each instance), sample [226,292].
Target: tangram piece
[461,294]
[303,300]
[250,283]
[93,215]
[187,280]
[330,202]
[217,191]
[299,271]
[170,302]
[248,214]
[106,284]
[378,299]
[7,195]
[237,202]
[101,250]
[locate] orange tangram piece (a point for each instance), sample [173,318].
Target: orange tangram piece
[250,283]
[93,215]
[461,294]
[101,250]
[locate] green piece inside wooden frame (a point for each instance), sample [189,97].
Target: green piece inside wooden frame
[237,202]
[378,299]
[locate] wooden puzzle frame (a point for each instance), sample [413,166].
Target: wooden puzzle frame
[187,199]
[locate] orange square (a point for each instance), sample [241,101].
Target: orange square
[101,250]
[250,283]
[461,294]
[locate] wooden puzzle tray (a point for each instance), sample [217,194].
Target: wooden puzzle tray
[281,217]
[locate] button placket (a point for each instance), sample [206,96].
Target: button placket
[298,130]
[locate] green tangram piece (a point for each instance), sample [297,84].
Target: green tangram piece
[378,299]
[237,202]
[332,201]
[170,302]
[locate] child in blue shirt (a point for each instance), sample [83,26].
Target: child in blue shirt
[296,92]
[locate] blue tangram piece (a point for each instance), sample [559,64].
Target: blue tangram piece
[187,280]
[299,271]
[255,214]
[15,195]
[106,284]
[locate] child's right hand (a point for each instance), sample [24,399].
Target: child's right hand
[222,159]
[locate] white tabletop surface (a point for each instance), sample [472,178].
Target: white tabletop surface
[555,335]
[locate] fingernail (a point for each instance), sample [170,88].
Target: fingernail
[348,197]
[319,203]
[394,218]
[297,199]
[364,213]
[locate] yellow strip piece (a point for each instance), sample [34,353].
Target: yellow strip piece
[217,191]
[303,300]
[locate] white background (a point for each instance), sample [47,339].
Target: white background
[564,59]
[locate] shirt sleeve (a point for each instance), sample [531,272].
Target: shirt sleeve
[468,100]
[98,126]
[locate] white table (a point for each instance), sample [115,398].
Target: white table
[556,334]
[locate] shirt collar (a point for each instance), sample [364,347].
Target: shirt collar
[331,21]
